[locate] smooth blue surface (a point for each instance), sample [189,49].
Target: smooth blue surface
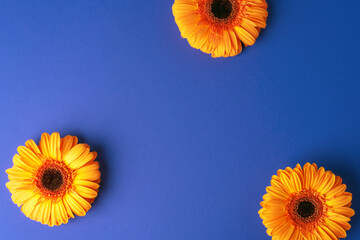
[187,143]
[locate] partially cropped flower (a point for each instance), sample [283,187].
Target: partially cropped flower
[220,27]
[306,203]
[54,180]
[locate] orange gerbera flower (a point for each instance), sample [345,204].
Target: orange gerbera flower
[219,27]
[54,180]
[306,203]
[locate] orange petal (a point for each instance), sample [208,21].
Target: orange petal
[338,190]
[74,205]
[335,228]
[339,201]
[76,152]
[54,146]
[244,36]
[45,144]
[29,156]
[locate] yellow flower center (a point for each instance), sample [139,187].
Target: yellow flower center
[53,179]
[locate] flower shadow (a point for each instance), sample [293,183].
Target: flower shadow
[102,151]
[102,159]
[269,20]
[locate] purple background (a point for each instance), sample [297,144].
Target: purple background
[187,143]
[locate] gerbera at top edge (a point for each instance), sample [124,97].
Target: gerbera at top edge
[54,180]
[306,203]
[220,27]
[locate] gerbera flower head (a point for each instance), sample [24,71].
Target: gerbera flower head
[306,203]
[54,180]
[220,27]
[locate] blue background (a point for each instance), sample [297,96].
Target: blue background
[187,143]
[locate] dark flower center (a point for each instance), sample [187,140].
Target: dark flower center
[221,9]
[52,179]
[306,209]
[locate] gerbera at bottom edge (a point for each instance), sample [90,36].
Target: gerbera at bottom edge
[306,203]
